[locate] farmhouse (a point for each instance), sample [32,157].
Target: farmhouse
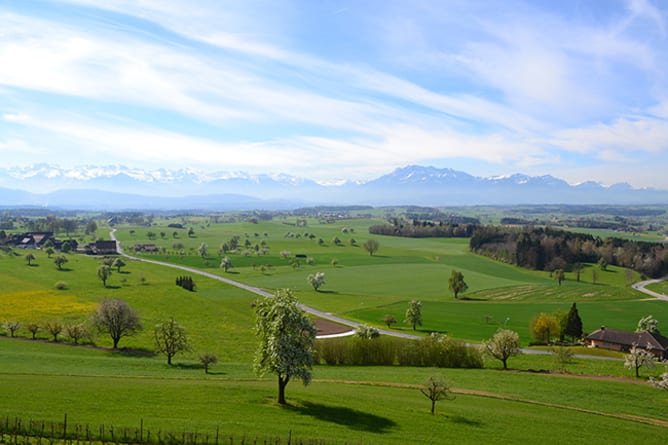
[101,247]
[32,240]
[623,341]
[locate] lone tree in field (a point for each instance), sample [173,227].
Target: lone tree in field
[287,338]
[208,359]
[573,323]
[503,345]
[170,339]
[638,358]
[103,273]
[435,388]
[456,283]
[59,261]
[543,327]
[29,258]
[118,263]
[226,264]
[316,280]
[414,313]
[559,276]
[389,320]
[116,318]
[371,246]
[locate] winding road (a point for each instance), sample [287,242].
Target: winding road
[255,290]
[640,286]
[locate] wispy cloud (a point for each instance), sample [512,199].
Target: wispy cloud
[229,87]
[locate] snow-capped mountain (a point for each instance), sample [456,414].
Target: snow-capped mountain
[114,187]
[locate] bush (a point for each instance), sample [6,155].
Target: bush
[61,285]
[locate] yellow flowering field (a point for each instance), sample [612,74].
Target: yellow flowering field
[42,305]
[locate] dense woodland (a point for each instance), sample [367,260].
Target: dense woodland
[543,248]
[425,229]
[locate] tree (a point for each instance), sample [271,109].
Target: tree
[435,388]
[662,381]
[456,283]
[367,332]
[577,268]
[69,226]
[116,318]
[559,275]
[503,345]
[103,273]
[170,339]
[76,332]
[594,275]
[12,327]
[543,326]
[389,320]
[371,246]
[66,247]
[191,232]
[91,227]
[49,251]
[118,263]
[54,328]
[573,326]
[316,280]
[649,324]
[30,258]
[60,260]
[226,264]
[203,250]
[414,313]
[207,359]
[33,328]
[287,338]
[638,358]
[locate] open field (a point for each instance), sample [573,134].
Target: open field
[354,404]
[96,386]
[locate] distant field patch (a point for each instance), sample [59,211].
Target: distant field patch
[42,305]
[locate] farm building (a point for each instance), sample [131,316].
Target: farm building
[101,247]
[616,340]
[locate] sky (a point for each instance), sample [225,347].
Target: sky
[339,90]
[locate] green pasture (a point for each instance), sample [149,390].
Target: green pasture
[352,404]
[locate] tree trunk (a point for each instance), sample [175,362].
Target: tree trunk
[504,363]
[116,342]
[282,383]
[169,359]
[433,406]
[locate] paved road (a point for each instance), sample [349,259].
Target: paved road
[255,290]
[640,286]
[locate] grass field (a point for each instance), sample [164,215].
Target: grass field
[43,380]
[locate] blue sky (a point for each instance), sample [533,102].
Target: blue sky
[333,90]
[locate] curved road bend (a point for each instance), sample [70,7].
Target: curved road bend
[255,290]
[640,286]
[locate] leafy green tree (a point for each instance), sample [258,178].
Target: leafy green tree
[91,227]
[103,273]
[66,247]
[116,318]
[371,246]
[60,260]
[287,338]
[456,283]
[543,327]
[503,345]
[118,263]
[638,358]
[170,339]
[649,324]
[573,326]
[414,313]
[49,251]
[316,280]
[435,388]
[30,257]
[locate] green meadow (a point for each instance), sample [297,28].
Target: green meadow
[534,402]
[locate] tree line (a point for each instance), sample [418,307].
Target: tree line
[545,248]
[423,229]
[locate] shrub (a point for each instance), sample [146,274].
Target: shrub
[61,285]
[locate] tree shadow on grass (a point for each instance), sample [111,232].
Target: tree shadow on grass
[352,418]
[328,292]
[463,420]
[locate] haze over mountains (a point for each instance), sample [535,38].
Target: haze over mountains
[118,187]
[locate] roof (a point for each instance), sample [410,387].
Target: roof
[642,339]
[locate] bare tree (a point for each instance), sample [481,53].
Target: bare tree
[371,246]
[116,318]
[12,327]
[54,328]
[389,320]
[208,359]
[435,388]
[76,332]
[170,339]
[33,328]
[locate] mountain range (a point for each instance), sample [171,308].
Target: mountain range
[123,188]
